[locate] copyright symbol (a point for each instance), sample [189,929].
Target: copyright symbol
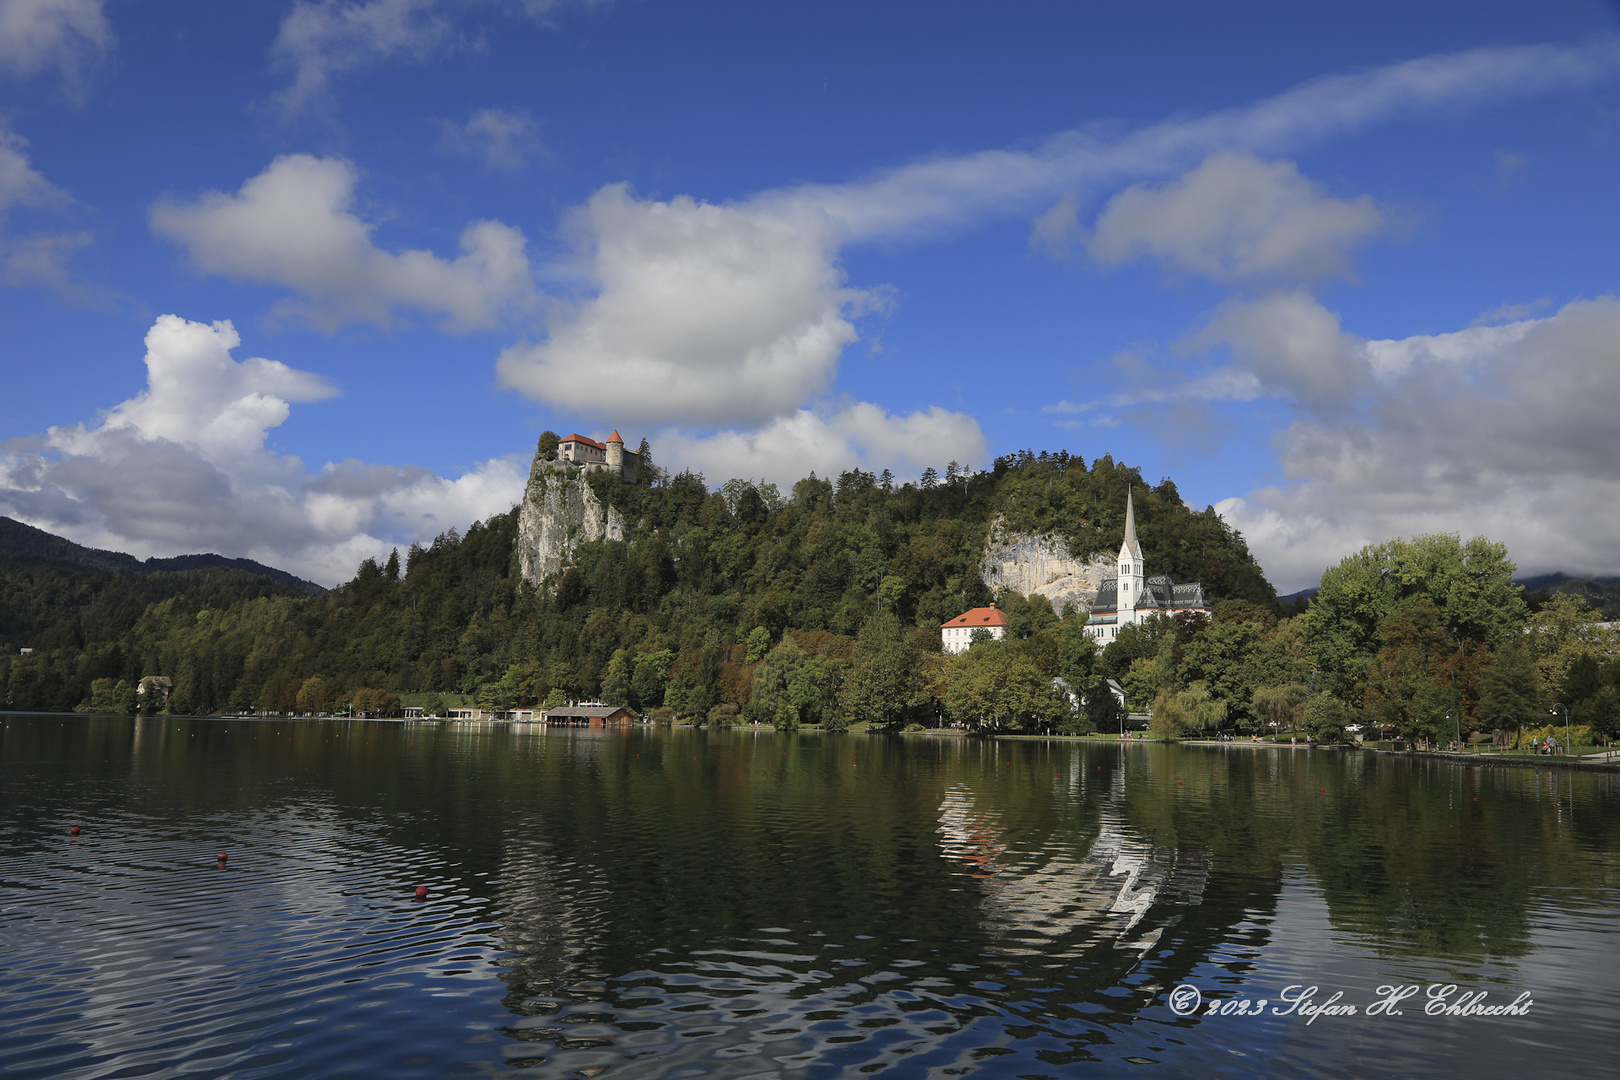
[1185,999]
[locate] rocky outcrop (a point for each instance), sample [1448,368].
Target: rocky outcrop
[559,512]
[1031,563]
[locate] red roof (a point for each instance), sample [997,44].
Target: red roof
[615,438]
[576,437]
[979,616]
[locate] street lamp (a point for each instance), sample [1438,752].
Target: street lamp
[1554,710]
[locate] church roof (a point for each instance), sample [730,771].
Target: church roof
[978,617]
[1158,594]
[1131,544]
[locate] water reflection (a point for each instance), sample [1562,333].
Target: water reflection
[665,904]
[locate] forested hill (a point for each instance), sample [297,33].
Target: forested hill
[679,613]
[18,540]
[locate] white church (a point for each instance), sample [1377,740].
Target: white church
[1131,597]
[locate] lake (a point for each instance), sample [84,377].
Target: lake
[656,903]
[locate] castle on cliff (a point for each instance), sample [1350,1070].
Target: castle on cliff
[1131,597]
[592,456]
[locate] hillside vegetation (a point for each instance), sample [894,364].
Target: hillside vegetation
[680,614]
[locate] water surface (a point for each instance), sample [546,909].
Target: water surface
[667,904]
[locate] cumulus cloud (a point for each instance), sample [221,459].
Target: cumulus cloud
[503,139]
[294,225]
[1294,348]
[733,314]
[1506,432]
[1236,217]
[182,467]
[701,315]
[68,35]
[860,435]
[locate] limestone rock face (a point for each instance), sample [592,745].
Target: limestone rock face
[559,512]
[1030,563]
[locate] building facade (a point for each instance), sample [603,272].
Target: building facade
[591,455]
[958,633]
[1131,597]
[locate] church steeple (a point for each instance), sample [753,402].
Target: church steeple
[1131,572]
[1131,546]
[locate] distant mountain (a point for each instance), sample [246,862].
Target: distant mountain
[1602,593]
[19,540]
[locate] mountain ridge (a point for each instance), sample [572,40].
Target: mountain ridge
[21,540]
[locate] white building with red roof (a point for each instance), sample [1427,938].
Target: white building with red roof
[591,455]
[958,633]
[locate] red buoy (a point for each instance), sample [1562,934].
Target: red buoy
[73,831]
[421,892]
[223,856]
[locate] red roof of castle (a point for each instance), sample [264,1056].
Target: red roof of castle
[615,438]
[979,616]
[576,437]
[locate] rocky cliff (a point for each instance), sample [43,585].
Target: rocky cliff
[559,512]
[1030,563]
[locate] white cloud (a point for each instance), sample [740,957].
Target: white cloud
[183,468]
[1506,432]
[861,435]
[1058,230]
[322,38]
[1236,217]
[294,225]
[325,38]
[69,35]
[504,139]
[39,258]
[702,314]
[730,314]
[1294,348]
[908,199]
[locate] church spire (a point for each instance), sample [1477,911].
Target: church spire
[1131,544]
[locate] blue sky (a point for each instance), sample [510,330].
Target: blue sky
[301,281]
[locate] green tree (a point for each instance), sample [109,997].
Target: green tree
[546,449]
[1205,712]
[1281,708]
[996,685]
[1170,720]
[1604,717]
[112,696]
[1409,685]
[885,684]
[1510,696]
[616,680]
[1468,584]
[652,671]
[1325,718]
[1565,629]
[814,690]
[759,643]
[312,695]
[770,695]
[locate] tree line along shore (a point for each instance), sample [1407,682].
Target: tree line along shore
[821,606]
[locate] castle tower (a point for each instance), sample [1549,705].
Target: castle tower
[615,455]
[1131,571]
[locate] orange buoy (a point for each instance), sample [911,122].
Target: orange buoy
[73,831]
[421,892]
[222,858]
